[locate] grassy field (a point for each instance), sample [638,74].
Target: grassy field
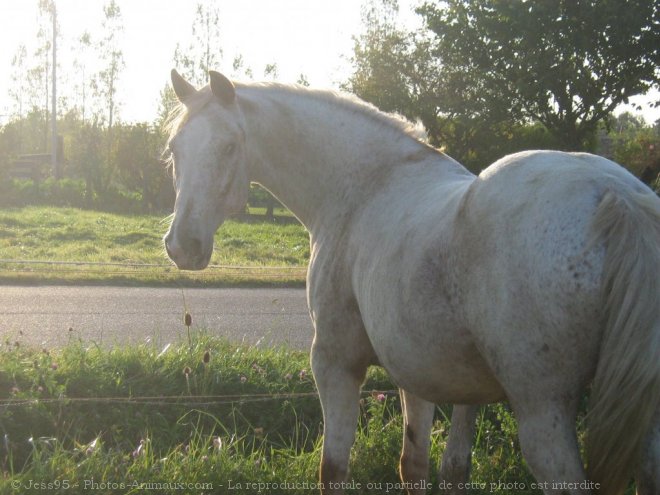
[206,413]
[267,252]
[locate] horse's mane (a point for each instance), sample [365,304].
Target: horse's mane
[182,112]
[348,102]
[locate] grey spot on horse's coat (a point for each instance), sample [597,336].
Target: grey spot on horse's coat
[555,422]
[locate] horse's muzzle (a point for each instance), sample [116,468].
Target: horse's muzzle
[189,253]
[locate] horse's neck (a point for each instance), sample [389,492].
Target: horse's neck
[318,157]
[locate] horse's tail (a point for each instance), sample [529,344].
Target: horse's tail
[626,387]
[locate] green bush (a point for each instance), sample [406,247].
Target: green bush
[67,193]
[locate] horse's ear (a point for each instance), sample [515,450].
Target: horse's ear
[222,88]
[182,88]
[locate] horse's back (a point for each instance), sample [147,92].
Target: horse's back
[534,211]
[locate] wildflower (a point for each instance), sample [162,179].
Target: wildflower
[288,376]
[91,447]
[70,329]
[243,378]
[186,372]
[302,375]
[378,396]
[206,358]
[187,319]
[40,389]
[205,458]
[217,444]
[139,450]
[54,366]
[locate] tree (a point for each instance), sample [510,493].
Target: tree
[633,144]
[204,53]
[112,58]
[397,71]
[138,163]
[37,76]
[85,43]
[394,69]
[194,62]
[17,93]
[17,89]
[564,63]
[87,160]
[240,69]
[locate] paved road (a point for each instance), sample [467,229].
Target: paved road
[118,315]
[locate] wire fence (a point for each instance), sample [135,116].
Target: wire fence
[164,270]
[181,400]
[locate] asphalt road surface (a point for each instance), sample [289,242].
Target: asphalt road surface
[42,316]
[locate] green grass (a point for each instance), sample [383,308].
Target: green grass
[207,411]
[149,415]
[67,234]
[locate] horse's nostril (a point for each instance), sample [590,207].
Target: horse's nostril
[193,246]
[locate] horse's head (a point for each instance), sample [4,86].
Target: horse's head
[207,145]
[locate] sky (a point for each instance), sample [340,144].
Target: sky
[310,37]
[300,36]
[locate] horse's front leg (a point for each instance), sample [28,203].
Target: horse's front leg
[418,421]
[457,457]
[339,370]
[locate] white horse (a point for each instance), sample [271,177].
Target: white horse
[527,283]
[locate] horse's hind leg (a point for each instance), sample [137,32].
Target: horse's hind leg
[414,466]
[546,431]
[648,474]
[418,421]
[457,457]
